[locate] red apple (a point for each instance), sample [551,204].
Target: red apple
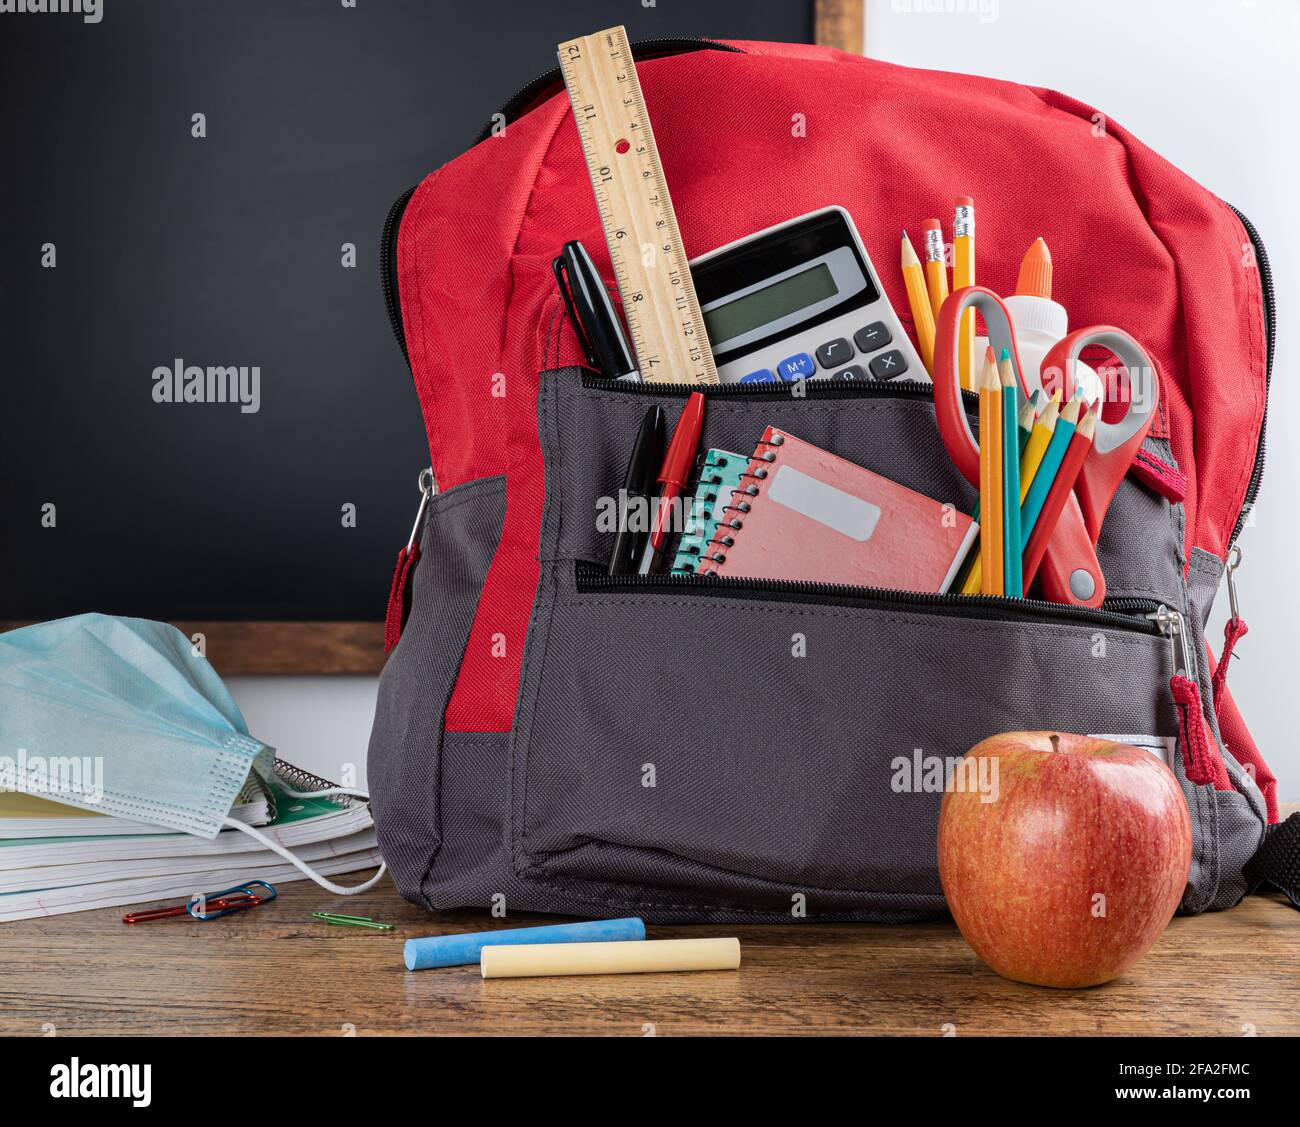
[1069,875]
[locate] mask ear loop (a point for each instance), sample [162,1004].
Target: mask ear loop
[302,867]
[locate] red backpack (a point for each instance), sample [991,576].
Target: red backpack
[523,706]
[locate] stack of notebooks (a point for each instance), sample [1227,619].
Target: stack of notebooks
[56,858]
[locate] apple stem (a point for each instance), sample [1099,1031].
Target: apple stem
[1056,741]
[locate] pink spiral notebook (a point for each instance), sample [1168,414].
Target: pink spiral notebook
[814,516]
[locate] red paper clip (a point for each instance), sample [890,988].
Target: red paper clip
[214,905]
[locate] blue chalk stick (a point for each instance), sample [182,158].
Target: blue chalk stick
[463,950]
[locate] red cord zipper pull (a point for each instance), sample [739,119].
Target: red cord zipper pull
[407,558]
[1202,763]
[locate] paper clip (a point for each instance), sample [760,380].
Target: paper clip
[239,904]
[350,921]
[215,904]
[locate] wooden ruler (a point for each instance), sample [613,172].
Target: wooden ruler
[636,211]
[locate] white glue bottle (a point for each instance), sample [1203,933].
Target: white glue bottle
[1040,322]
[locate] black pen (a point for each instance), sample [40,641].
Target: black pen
[593,314]
[638,489]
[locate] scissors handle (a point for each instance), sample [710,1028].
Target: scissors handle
[949,409]
[1136,384]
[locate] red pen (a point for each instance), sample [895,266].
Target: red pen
[673,476]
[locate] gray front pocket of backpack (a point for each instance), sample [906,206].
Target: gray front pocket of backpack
[698,751]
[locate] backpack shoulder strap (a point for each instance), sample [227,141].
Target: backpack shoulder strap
[1277,861]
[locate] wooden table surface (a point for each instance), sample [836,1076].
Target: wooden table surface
[276,970]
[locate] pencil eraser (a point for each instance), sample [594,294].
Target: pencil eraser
[965,201]
[465,950]
[931,225]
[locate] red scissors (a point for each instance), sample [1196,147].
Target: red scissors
[1069,572]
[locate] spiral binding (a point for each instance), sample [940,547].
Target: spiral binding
[298,779]
[703,504]
[723,540]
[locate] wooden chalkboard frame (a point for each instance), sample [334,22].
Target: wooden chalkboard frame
[241,647]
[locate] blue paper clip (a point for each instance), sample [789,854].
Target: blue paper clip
[225,905]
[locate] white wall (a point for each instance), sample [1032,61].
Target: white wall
[321,724]
[1213,86]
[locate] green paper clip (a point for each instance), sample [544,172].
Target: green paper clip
[351,921]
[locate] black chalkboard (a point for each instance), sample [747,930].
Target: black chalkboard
[127,244]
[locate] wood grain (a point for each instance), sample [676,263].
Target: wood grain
[284,647]
[840,24]
[275,970]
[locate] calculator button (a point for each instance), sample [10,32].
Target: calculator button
[834,353]
[763,375]
[888,365]
[796,367]
[851,373]
[872,337]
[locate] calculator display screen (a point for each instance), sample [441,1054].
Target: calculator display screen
[781,299]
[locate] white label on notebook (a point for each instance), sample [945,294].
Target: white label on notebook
[847,514]
[1162,747]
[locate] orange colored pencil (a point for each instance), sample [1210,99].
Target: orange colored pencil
[991,528]
[1075,455]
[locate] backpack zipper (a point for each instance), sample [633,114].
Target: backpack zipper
[1170,624]
[815,388]
[1121,613]
[1270,325]
[388,269]
[642,50]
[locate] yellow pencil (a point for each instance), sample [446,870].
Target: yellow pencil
[1036,447]
[990,391]
[963,274]
[922,314]
[936,265]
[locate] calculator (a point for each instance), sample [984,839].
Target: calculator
[801,300]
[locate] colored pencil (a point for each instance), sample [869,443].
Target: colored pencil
[1047,470]
[936,265]
[968,582]
[1011,584]
[963,274]
[1028,413]
[1066,476]
[991,561]
[1032,455]
[922,314]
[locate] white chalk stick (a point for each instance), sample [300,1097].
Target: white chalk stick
[534,959]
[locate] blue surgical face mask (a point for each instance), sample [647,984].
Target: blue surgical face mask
[122,716]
